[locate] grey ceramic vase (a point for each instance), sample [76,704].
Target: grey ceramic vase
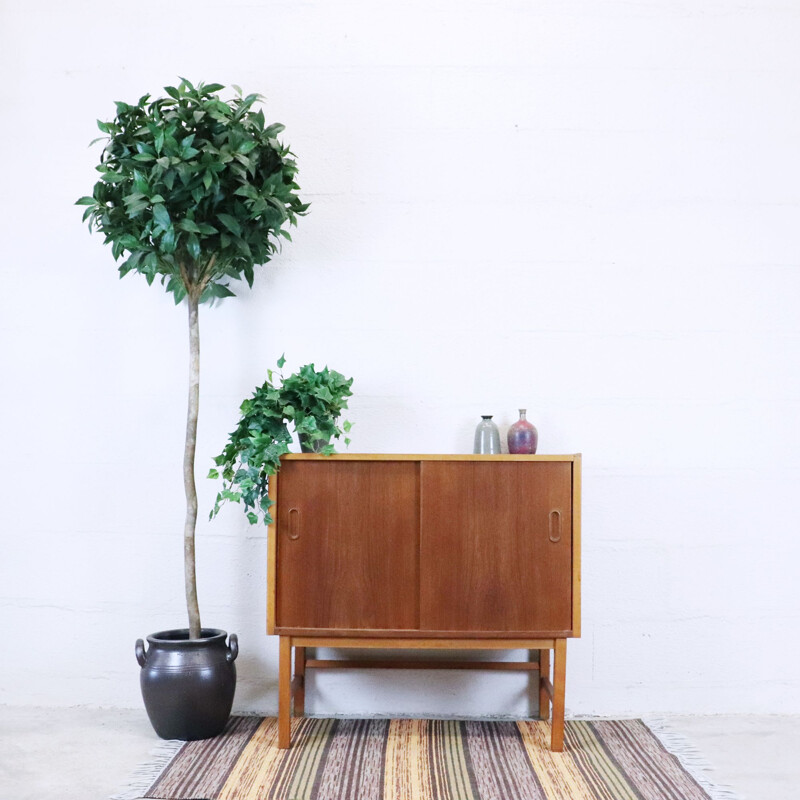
[487,436]
[188,684]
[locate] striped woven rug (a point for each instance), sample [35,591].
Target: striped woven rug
[412,759]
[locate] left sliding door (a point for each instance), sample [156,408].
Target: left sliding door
[348,545]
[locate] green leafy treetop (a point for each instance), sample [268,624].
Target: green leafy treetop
[193,189]
[196,190]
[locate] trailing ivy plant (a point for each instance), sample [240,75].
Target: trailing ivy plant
[312,401]
[196,191]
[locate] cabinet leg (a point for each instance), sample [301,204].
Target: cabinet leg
[300,681]
[544,674]
[533,682]
[559,691]
[285,693]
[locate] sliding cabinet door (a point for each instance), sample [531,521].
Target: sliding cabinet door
[348,536]
[496,546]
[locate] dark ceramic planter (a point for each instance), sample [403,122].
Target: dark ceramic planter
[188,684]
[309,445]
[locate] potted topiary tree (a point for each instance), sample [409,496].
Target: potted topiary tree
[194,190]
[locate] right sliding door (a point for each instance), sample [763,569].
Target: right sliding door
[496,546]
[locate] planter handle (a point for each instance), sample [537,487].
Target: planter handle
[141,656]
[233,647]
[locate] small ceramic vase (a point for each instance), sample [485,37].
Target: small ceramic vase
[487,436]
[522,436]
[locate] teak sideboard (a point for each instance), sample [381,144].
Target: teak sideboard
[427,552]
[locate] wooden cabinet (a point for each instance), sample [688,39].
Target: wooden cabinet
[425,551]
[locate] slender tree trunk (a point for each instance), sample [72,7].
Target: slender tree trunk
[190,579]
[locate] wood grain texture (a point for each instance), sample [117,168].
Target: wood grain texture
[356,663]
[350,558]
[487,562]
[272,558]
[544,681]
[471,643]
[577,473]
[558,693]
[299,694]
[405,633]
[423,457]
[284,692]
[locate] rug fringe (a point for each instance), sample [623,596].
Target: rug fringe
[145,775]
[690,758]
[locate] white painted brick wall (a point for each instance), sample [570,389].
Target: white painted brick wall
[590,209]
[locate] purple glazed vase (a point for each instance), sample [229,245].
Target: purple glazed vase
[522,436]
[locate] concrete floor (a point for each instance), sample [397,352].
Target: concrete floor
[87,754]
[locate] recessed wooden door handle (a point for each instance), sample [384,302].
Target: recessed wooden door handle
[555,526]
[293,529]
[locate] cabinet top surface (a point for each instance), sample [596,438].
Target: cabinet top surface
[424,457]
